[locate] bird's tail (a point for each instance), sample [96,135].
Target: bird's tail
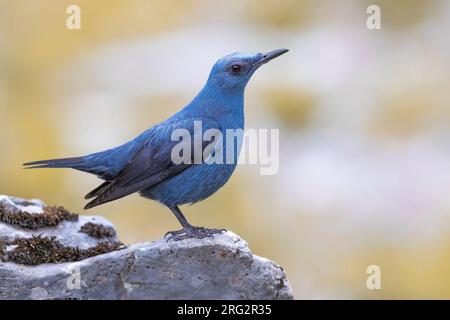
[74,163]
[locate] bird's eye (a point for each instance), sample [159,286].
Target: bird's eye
[236,69]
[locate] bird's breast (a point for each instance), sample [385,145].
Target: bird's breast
[192,185]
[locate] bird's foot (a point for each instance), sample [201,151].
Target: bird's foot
[194,232]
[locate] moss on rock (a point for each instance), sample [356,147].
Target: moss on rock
[52,216]
[38,250]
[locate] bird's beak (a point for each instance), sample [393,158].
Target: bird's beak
[266,57]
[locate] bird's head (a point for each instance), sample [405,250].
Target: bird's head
[235,70]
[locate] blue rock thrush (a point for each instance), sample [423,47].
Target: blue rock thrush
[145,164]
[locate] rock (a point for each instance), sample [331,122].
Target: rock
[66,232]
[222,267]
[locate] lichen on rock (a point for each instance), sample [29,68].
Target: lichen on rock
[98,230]
[50,217]
[38,250]
[32,233]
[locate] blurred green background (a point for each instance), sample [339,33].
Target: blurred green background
[364,119]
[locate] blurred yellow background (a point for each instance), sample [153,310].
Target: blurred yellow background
[364,119]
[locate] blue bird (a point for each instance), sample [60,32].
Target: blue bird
[145,164]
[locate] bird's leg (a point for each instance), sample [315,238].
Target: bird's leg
[189,231]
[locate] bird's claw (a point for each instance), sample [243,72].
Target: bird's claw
[194,232]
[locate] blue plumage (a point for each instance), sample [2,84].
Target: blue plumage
[145,164]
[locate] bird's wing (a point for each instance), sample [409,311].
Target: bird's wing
[151,164]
